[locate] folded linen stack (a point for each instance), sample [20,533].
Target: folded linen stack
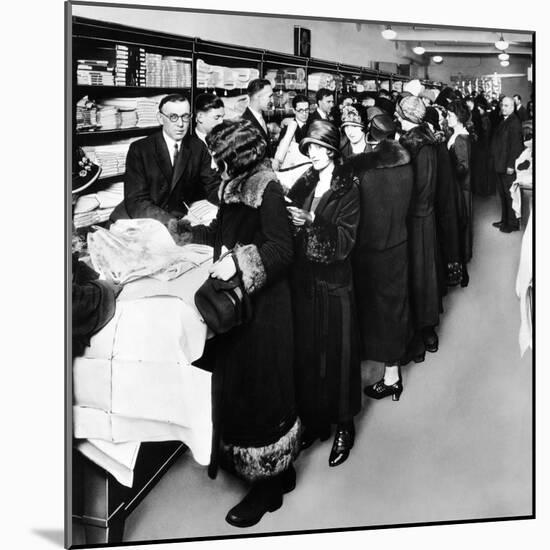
[319,80]
[153,69]
[108,117]
[86,114]
[175,72]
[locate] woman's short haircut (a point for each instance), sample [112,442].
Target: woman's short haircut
[238,144]
[460,109]
[205,102]
[299,99]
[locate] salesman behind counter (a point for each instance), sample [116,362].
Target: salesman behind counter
[170,169]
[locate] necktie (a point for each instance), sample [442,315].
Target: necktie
[176,150]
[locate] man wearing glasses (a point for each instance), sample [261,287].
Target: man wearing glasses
[168,170]
[294,131]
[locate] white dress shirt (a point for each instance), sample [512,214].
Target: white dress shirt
[170,144]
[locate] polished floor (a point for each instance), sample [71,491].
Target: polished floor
[458,445]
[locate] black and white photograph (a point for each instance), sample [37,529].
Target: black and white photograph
[302,286]
[299,277]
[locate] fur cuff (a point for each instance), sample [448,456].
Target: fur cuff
[180,230]
[251,267]
[256,463]
[320,242]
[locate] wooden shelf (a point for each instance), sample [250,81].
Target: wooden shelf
[133,91]
[116,134]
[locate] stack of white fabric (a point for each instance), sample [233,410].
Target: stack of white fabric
[147,109]
[108,118]
[97,207]
[153,69]
[111,158]
[175,72]
[318,80]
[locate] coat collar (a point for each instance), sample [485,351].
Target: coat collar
[416,138]
[387,154]
[249,188]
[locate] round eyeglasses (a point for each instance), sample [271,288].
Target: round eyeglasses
[173,117]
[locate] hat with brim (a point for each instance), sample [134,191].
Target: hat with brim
[85,172]
[381,127]
[351,117]
[321,132]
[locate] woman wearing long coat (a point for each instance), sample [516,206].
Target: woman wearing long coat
[460,150]
[423,247]
[251,365]
[325,213]
[381,262]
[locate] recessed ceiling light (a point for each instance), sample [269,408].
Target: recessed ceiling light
[503,56]
[501,44]
[388,33]
[419,50]
[437,59]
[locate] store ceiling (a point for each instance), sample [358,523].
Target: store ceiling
[461,41]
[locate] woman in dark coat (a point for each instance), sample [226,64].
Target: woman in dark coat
[353,127]
[480,168]
[381,262]
[423,247]
[327,362]
[449,207]
[459,146]
[252,363]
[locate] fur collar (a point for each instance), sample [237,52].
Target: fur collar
[416,138]
[388,154]
[342,181]
[249,188]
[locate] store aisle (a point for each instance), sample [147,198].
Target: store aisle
[456,446]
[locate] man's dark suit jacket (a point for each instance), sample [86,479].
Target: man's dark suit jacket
[522,114]
[153,189]
[507,144]
[249,115]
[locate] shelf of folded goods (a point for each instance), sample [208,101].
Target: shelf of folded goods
[133,91]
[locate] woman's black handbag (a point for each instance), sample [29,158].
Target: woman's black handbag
[223,304]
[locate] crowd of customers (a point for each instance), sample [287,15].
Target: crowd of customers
[349,263]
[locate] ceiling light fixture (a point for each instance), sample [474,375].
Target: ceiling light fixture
[437,59]
[388,33]
[501,44]
[419,50]
[504,63]
[503,56]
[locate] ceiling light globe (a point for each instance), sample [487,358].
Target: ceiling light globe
[504,63]
[388,33]
[418,50]
[437,59]
[503,56]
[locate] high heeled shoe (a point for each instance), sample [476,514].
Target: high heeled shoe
[342,445]
[379,390]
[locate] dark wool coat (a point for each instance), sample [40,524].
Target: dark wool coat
[249,115]
[346,151]
[327,357]
[481,183]
[154,189]
[252,363]
[460,154]
[423,246]
[507,144]
[381,262]
[449,216]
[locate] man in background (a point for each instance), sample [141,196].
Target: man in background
[506,146]
[325,103]
[521,111]
[168,170]
[209,113]
[260,95]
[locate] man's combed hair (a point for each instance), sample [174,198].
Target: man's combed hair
[177,98]
[237,143]
[322,93]
[299,99]
[257,85]
[205,102]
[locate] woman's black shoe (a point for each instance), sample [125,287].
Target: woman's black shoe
[379,390]
[309,436]
[265,496]
[343,443]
